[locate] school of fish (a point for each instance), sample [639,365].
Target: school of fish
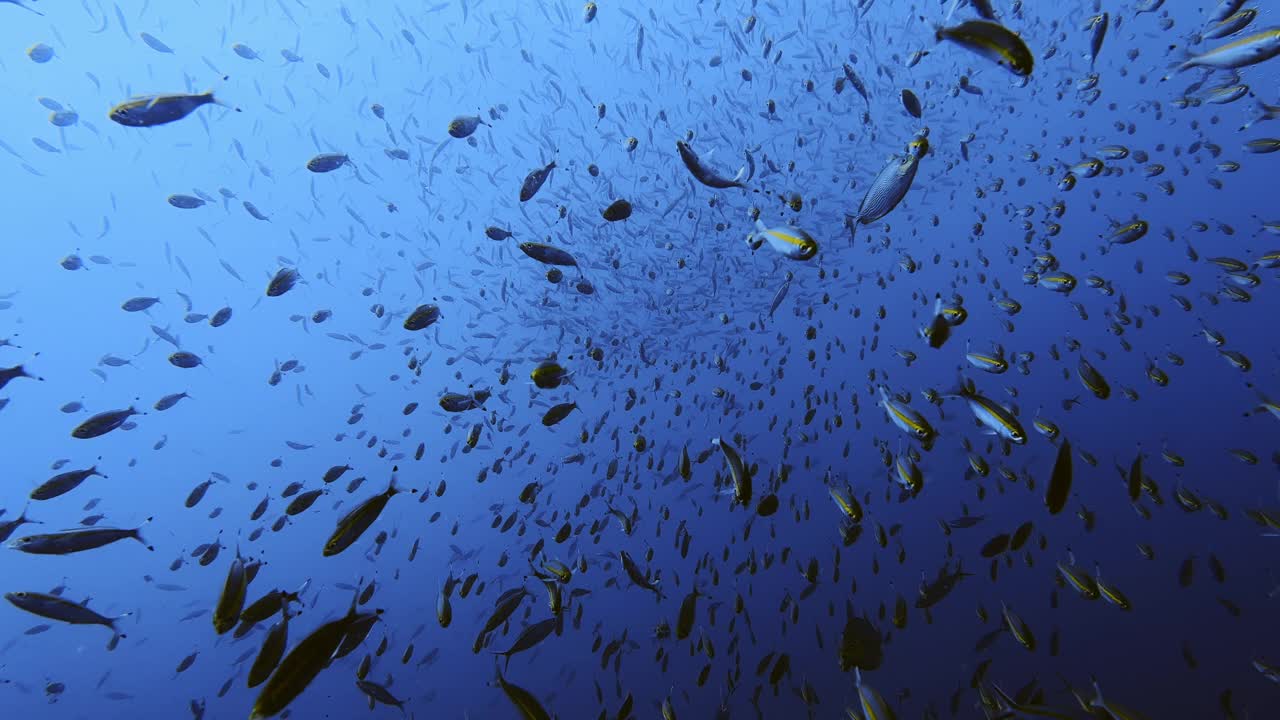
[731,358]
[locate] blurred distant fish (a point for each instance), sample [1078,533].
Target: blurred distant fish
[245,51]
[154,43]
[40,53]
[24,7]
[185,202]
[254,211]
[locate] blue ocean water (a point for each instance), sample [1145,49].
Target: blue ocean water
[679,325]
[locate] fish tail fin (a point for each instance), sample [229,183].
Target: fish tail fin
[1268,112]
[136,534]
[116,635]
[22,371]
[1097,693]
[209,93]
[22,518]
[213,98]
[852,223]
[1183,60]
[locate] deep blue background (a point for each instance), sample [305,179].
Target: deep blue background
[104,195]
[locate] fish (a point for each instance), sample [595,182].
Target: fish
[227,611]
[525,703]
[548,254]
[558,413]
[933,592]
[991,415]
[79,540]
[549,375]
[791,242]
[422,317]
[327,162]
[890,185]
[245,51]
[154,43]
[463,126]
[462,402]
[742,488]
[358,520]
[708,176]
[534,180]
[169,401]
[1246,51]
[779,296]
[1098,27]
[638,577]
[63,483]
[57,608]
[617,210]
[282,282]
[102,423]
[1059,488]
[1092,379]
[12,373]
[300,667]
[992,41]
[911,104]
[185,202]
[906,419]
[270,653]
[162,109]
[21,5]
[379,694]
[530,636]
